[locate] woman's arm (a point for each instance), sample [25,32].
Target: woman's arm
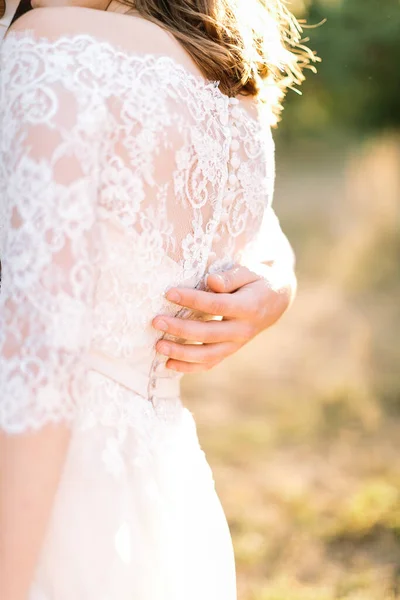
[30,468]
[48,250]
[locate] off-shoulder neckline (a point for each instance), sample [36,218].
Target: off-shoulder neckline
[31,36]
[198,81]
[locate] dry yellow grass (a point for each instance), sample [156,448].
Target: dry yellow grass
[302,428]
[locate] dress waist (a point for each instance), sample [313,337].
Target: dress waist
[151,385]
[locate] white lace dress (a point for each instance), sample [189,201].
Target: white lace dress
[121,175]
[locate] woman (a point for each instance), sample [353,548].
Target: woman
[129,180]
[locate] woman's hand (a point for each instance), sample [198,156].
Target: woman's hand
[248,303]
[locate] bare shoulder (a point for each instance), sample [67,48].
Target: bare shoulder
[130,33]
[44,22]
[57,21]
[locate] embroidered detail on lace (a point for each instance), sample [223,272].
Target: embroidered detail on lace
[106,205]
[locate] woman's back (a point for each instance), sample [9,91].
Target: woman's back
[164,178]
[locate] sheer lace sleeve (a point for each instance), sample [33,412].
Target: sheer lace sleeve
[273,243]
[47,240]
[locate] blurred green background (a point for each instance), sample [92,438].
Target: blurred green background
[302,428]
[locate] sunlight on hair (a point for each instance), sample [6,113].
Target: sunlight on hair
[251,47]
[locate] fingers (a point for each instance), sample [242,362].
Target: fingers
[206,333]
[184,367]
[191,353]
[230,306]
[231,280]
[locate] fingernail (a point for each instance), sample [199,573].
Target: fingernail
[161,325]
[220,278]
[170,366]
[174,296]
[163,349]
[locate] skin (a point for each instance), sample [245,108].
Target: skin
[31,464]
[30,470]
[249,304]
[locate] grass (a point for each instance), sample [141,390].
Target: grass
[302,427]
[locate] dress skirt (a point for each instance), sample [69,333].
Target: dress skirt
[136,516]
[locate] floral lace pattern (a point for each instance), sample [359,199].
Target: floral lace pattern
[120,175]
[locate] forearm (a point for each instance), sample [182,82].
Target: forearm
[30,469]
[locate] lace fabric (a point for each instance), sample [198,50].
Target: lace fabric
[121,175]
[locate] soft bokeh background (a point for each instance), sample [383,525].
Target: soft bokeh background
[302,428]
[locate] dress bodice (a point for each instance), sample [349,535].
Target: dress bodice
[121,175]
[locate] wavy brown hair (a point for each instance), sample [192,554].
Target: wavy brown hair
[252,47]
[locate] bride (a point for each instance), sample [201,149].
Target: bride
[137,243]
